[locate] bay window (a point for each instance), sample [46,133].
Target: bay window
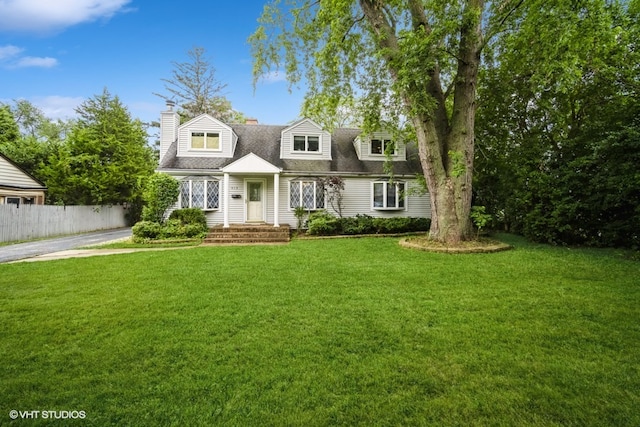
[306,194]
[388,195]
[200,193]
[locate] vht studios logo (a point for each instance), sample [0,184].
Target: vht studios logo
[52,415]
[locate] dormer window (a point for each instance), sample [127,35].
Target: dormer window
[306,143]
[205,141]
[383,146]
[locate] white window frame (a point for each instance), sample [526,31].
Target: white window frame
[401,196]
[207,187]
[316,188]
[384,143]
[8,202]
[206,134]
[306,143]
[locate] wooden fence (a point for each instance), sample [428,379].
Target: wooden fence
[26,222]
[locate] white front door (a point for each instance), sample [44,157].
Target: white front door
[255,200]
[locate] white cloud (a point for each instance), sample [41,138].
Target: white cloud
[45,16]
[273,77]
[31,61]
[10,57]
[9,51]
[58,107]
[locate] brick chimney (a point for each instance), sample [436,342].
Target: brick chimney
[251,121]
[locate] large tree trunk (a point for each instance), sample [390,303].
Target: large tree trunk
[448,178]
[445,141]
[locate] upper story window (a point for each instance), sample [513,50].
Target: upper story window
[388,195]
[383,146]
[306,143]
[205,141]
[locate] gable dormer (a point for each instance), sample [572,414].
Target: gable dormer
[380,146]
[205,136]
[305,140]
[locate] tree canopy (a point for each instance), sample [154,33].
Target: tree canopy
[104,158]
[406,61]
[416,65]
[558,128]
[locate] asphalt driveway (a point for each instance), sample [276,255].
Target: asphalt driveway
[20,251]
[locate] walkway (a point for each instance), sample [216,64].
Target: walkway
[20,251]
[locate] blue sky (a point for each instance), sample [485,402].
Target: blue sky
[58,53]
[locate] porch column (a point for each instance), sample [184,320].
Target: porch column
[276,200]
[225,207]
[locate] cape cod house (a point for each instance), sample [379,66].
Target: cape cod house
[17,186]
[251,173]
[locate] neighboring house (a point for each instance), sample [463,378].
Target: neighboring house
[17,186]
[251,173]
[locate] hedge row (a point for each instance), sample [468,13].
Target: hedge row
[182,224]
[322,223]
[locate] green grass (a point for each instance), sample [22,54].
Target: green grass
[325,332]
[130,244]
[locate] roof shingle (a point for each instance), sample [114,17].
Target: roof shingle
[264,141]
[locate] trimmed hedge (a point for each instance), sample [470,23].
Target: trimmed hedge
[322,223]
[189,216]
[182,224]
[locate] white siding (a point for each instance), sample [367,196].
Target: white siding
[308,128]
[358,200]
[11,175]
[206,123]
[169,122]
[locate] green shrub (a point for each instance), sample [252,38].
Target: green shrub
[194,230]
[146,230]
[392,225]
[359,224]
[322,223]
[190,216]
[182,224]
[161,191]
[176,229]
[172,229]
[420,224]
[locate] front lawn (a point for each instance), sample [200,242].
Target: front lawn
[324,332]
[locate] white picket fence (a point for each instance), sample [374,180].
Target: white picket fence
[26,222]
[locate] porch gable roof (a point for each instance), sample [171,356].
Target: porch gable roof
[251,164]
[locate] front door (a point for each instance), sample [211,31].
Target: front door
[255,201]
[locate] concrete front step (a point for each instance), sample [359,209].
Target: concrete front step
[238,234]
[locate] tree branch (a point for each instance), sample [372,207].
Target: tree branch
[418,17]
[498,28]
[353,24]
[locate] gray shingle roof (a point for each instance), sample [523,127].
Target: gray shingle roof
[264,141]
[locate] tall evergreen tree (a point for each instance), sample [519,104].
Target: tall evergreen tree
[104,159]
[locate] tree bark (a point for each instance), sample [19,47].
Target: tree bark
[445,144]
